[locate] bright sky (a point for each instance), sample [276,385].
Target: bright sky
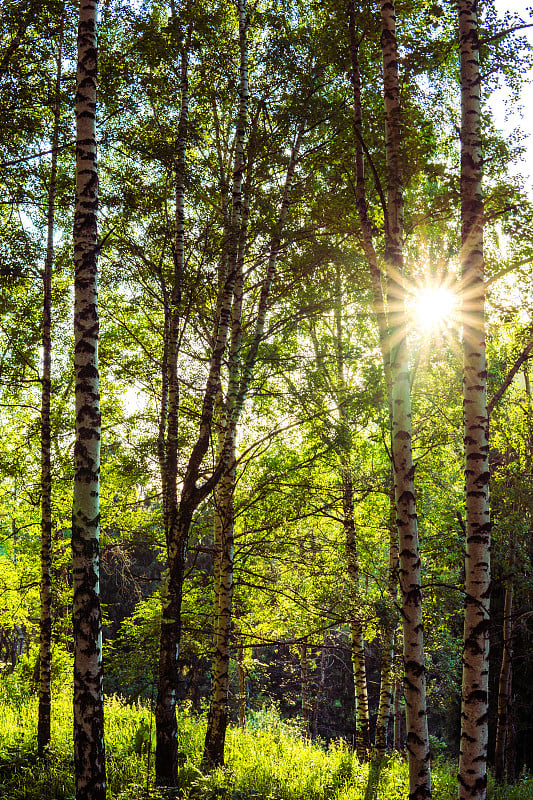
[514,120]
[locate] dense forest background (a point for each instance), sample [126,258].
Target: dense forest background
[281,221]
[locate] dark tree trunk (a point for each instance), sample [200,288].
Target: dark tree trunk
[306,689]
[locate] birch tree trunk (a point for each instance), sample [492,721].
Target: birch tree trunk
[380,311]
[306,690]
[239,377]
[242,684]
[504,687]
[217,720]
[398,746]
[170,385]
[362,713]
[417,740]
[474,708]
[362,207]
[45,658]
[89,753]
[386,686]
[387,631]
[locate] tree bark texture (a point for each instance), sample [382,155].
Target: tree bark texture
[45,657]
[417,740]
[474,709]
[89,753]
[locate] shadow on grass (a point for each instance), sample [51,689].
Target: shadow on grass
[373,778]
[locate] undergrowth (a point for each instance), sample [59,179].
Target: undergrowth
[268,760]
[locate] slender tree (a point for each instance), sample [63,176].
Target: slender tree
[192,494]
[89,753]
[241,367]
[417,740]
[474,707]
[43,728]
[390,317]
[388,623]
[362,712]
[505,681]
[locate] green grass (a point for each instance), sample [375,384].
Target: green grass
[267,761]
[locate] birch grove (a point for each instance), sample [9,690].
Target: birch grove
[303,252]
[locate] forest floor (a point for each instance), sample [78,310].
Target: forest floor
[268,760]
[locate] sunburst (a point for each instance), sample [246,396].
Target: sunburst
[434,307]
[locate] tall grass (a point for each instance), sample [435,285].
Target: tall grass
[267,761]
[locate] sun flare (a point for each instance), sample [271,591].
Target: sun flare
[434,306]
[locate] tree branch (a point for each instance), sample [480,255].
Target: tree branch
[524,355]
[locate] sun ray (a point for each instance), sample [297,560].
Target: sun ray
[434,306]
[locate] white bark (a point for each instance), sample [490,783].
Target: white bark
[474,709]
[89,752]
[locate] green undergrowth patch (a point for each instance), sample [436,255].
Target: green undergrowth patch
[269,760]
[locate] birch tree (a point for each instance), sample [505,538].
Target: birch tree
[390,316]
[474,706]
[417,740]
[362,714]
[387,623]
[192,494]
[89,752]
[43,728]
[241,366]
